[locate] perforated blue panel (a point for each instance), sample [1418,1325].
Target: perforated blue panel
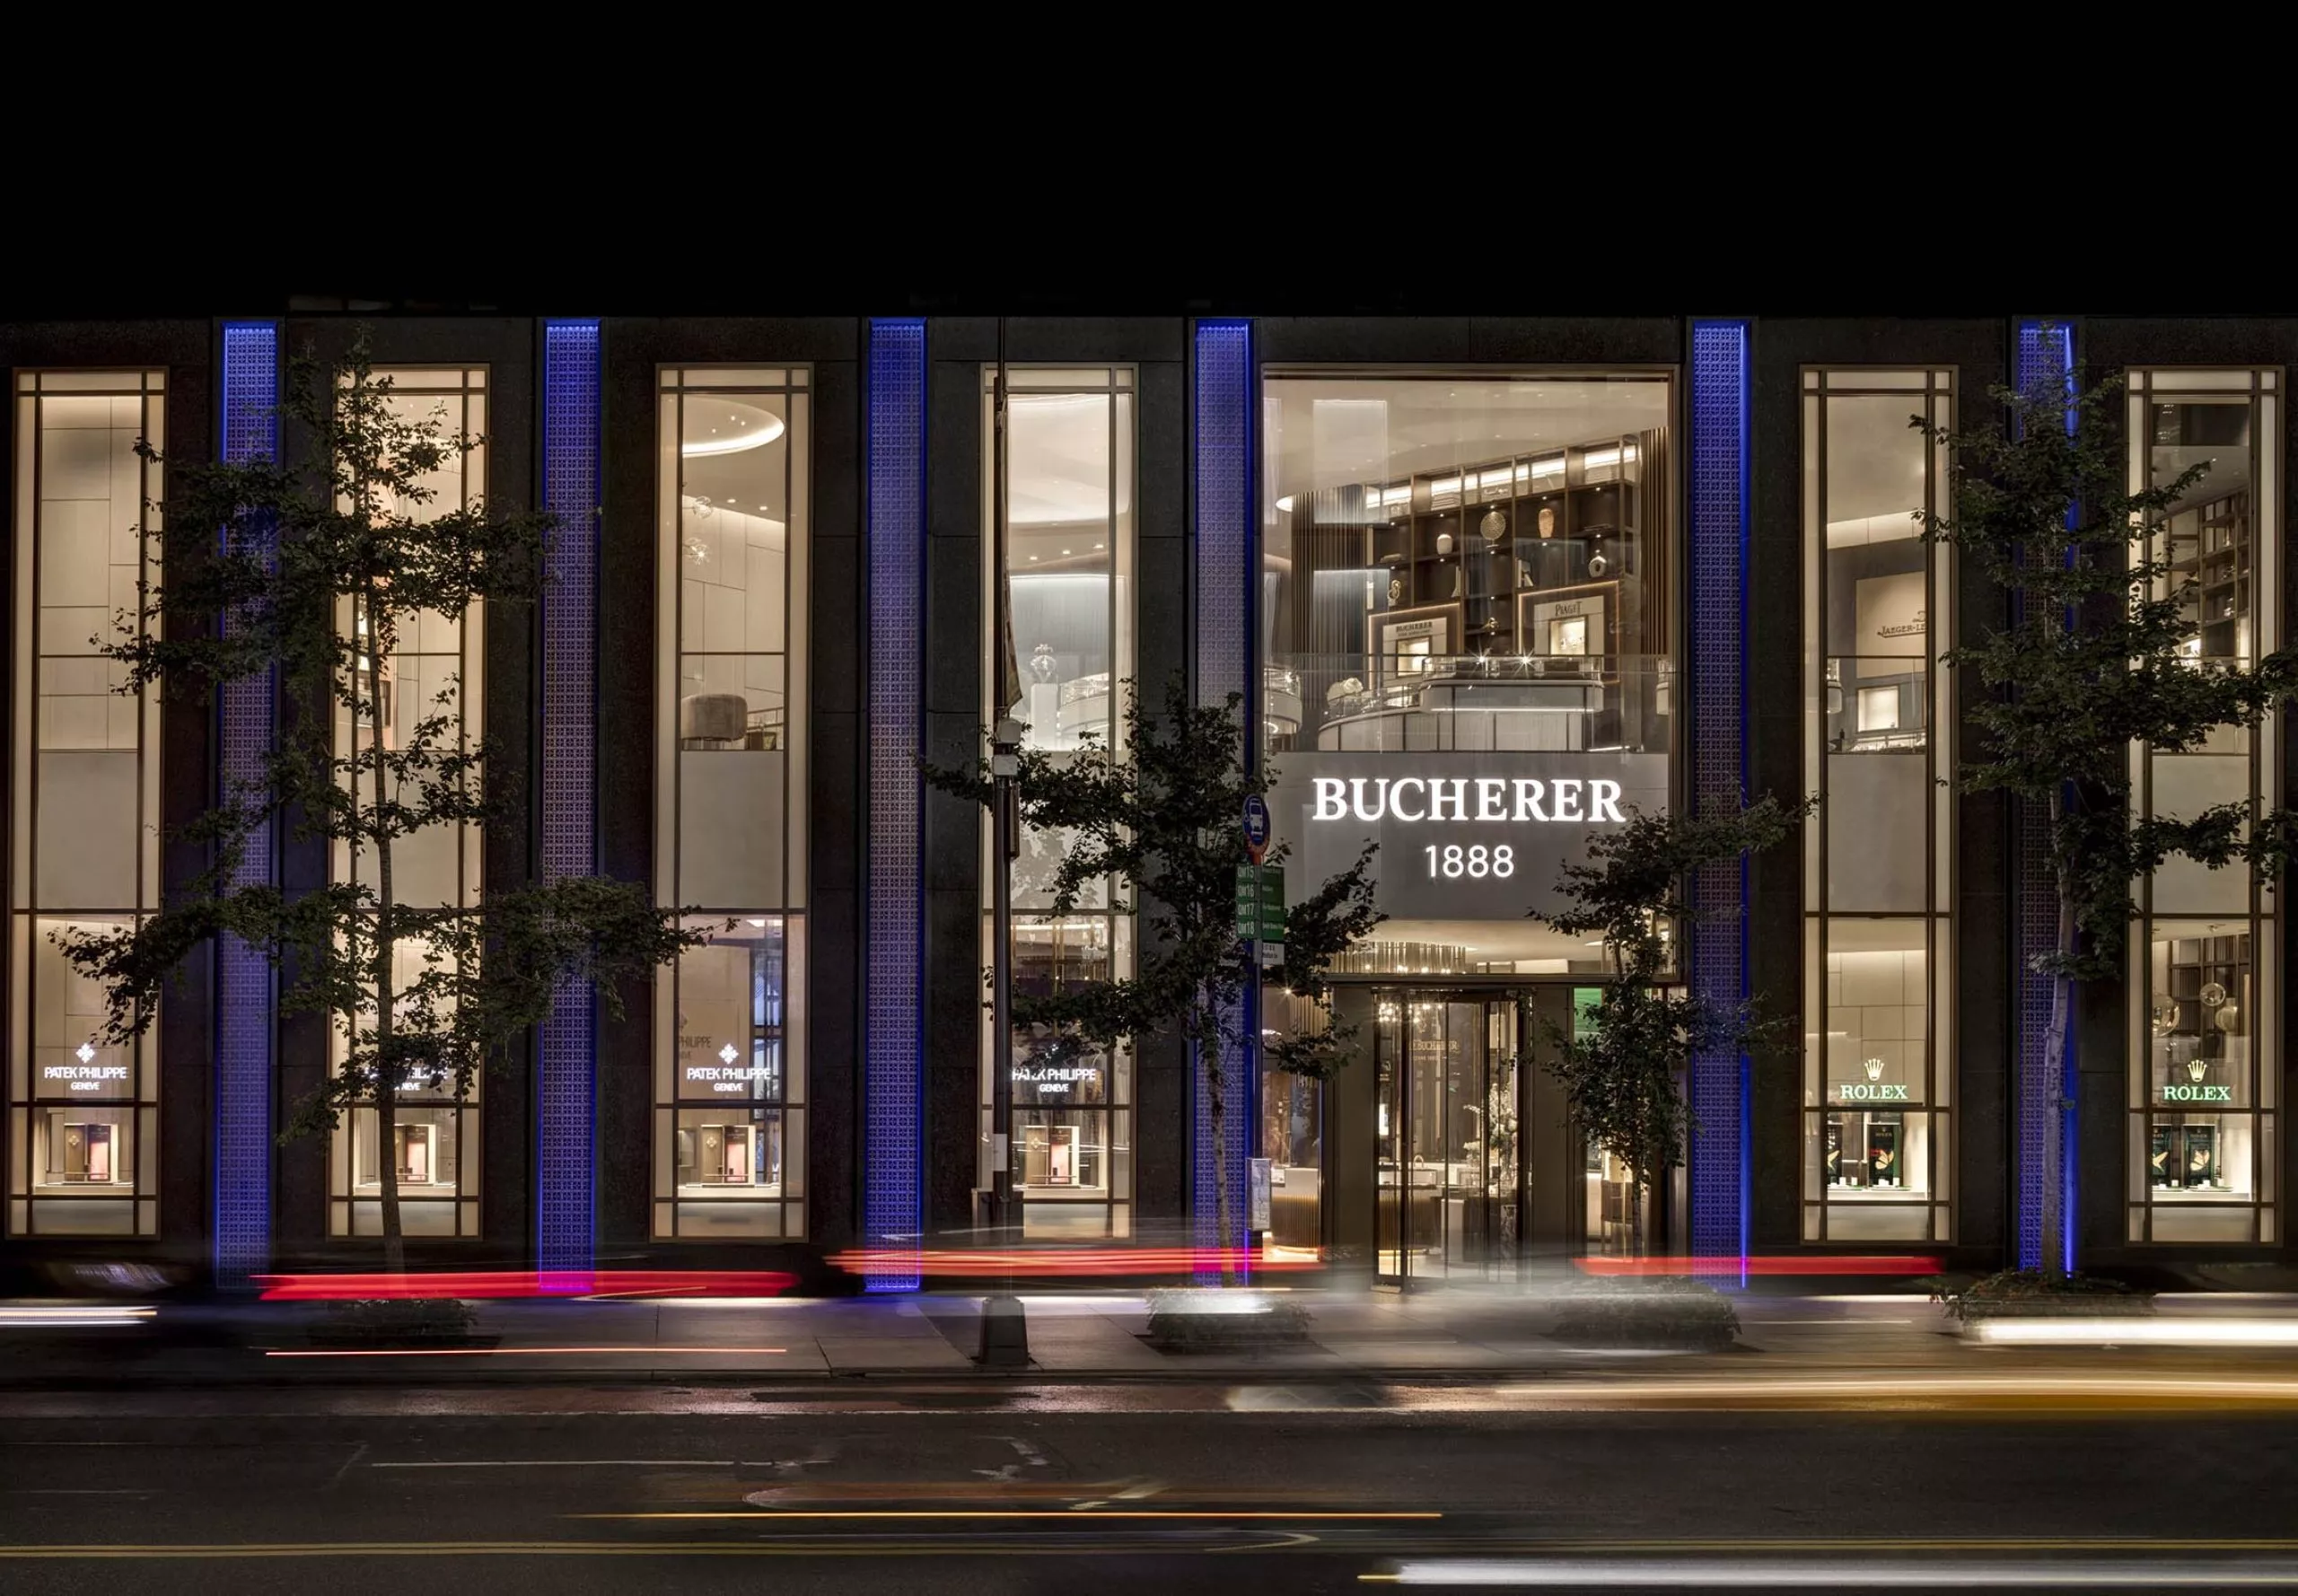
[1221,462]
[1718,1084]
[244,1004]
[565,1087]
[2043,1162]
[893,1076]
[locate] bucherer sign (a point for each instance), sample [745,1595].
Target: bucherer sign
[1463,835]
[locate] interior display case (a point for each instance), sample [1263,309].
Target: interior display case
[82,1151]
[418,1154]
[1487,534]
[2209,547]
[730,1153]
[1879,1153]
[1519,600]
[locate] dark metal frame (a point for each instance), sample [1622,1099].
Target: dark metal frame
[143,1210]
[471,1155]
[1816,385]
[2269,960]
[1123,398]
[797,384]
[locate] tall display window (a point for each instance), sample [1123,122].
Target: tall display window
[84,801]
[2206,959]
[1060,670]
[1467,610]
[434,666]
[729,812]
[1879,853]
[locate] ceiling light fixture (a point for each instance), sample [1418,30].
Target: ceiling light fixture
[757,429]
[1285,502]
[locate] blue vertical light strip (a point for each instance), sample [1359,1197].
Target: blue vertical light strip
[1719,1175]
[894,1116]
[1221,470]
[245,1005]
[2045,355]
[567,1053]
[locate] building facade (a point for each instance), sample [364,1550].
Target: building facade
[1483,585]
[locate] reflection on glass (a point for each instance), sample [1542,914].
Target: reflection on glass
[1059,668]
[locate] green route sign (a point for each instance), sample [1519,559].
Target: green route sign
[1260,903]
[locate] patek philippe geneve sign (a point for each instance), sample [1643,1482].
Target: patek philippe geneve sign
[1463,835]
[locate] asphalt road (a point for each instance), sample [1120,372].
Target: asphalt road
[933,1491]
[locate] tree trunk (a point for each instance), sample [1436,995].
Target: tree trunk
[2058,1053]
[387,1072]
[1217,1116]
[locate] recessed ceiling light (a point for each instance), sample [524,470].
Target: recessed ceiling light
[1101,545]
[1064,551]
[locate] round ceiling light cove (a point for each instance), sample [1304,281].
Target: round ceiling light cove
[727,427]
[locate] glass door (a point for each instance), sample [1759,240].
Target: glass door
[1446,1203]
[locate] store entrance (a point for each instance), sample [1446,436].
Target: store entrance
[1453,1157]
[1448,1179]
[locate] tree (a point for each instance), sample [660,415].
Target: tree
[1160,824]
[325,565]
[1619,1079]
[2103,651]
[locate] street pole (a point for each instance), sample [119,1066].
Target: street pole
[1005,742]
[1005,1333]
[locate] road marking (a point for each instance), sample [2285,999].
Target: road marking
[534,1351]
[581,1463]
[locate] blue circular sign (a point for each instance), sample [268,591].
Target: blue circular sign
[1256,826]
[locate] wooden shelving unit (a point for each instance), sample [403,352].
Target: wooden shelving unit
[1474,538]
[2210,547]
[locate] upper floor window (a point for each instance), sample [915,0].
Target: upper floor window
[730,807]
[435,665]
[1467,606]
[1878,855]
[84,800]
[2206,959]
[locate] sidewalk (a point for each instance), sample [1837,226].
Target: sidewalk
[1459,1333]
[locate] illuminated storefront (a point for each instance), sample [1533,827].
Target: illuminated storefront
[1468,623]
[1489,586]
